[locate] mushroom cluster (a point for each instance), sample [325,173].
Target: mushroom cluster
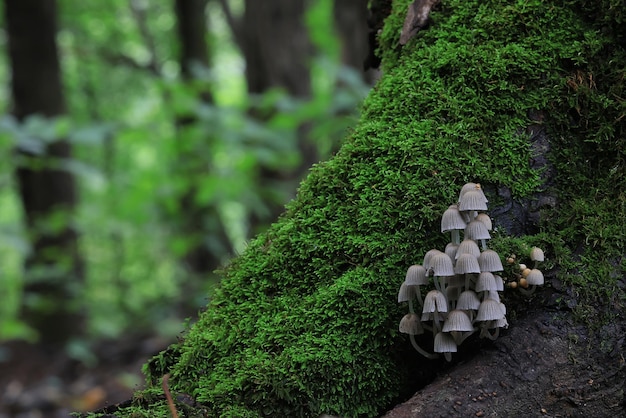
[465,298]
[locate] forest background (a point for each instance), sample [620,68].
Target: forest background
[178,131]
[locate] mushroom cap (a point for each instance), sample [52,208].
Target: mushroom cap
[489,310]
[416,276]
[441,265]
[536,254]
[468,246]
[406,293]
[486,282]
[466,188]
[484,218]
[451,250]
[428,256]
[457,320]
[493,294]
[444,343]
[468,300]
[473,200]
[499,283]
[435,301]
[466,263]
[476,230]
[535,277]
[452,219]
[489,260]
[410,324]
[502,323]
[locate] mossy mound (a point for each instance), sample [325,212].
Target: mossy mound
[305,321]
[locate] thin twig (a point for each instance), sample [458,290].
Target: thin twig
[168,396]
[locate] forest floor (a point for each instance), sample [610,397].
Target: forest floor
[39,383]
[544,365]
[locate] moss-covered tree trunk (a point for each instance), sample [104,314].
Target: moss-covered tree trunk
[525,97]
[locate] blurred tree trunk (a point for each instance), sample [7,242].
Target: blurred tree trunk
[352,28]
[277,50]
[201,224]
[46,189]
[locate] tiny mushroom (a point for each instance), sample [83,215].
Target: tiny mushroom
[489,260]
[468,246]
[484,218]
[410,324]
[444,343]
[452,222]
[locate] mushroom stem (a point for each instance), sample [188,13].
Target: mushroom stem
[448,356]
[484,332]
[483,244]
[421,350]
[527,292]
[436,324]
[460,336]
[437,284]
[455,236]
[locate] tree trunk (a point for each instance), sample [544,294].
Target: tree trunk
[54,268]
[351,24]
[201,224]
[277,50]
[524,98]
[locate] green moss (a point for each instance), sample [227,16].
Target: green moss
[305,321]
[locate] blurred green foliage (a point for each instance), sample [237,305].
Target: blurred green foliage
[124,93]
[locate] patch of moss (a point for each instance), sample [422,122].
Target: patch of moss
[305,320]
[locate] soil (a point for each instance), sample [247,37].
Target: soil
[37,382]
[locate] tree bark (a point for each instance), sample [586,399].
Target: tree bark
[54,267]
[277,50]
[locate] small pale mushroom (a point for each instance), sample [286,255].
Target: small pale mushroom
[468,301]
[459,325]
[499,283]
[441,267]
[484,218]
[466,263]
[416,276]
[435,303]
[536,254]
[451,250]
[489,260]
[406,293]
[444,343]
[486,282]
[477,230]
[489,310]
[466,188]
[467,246]
[428,256]
[534,278]
[410,324]
[453,222]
